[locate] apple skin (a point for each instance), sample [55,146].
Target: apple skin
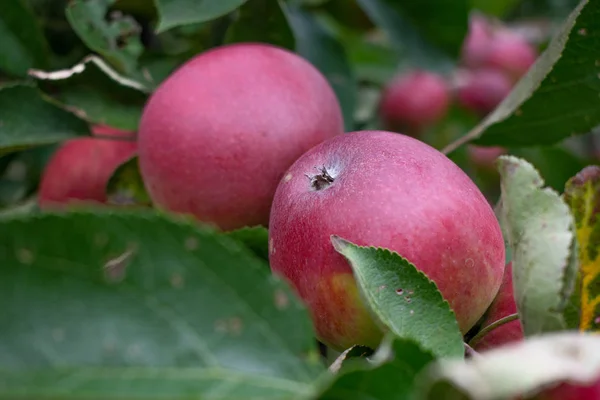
[570,391]
[482,90]
[503,305]
[80,168]
[217,135]
[413,101]
[476,45]
[389,190]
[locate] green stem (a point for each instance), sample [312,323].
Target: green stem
[473,342]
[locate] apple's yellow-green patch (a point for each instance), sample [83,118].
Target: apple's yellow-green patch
[582,193]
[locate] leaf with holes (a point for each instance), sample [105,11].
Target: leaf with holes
[403,298]
[118,40]
[96,92]
[262,21]
[582,193]
[174,13]
[540,231]
[28,119]
[21,39]
[110,304]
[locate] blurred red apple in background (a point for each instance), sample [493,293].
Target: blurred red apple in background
[482,90]
[81,168]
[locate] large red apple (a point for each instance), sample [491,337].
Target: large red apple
[503,305]
[218,134]
[414,101]
[81,168]
[388,190]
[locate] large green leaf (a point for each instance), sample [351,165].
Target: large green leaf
[558,97]
[392,376]
[174,13]
[540,230]
[140,305]
[117,40]
[98,93]
[403,298]
[27,119]
[22,43]
[262,21]
[515,370]
[319,47]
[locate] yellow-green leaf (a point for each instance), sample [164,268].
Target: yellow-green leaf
[582,193]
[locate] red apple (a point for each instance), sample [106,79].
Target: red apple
[485,157]
[382,189]
[218,134]
[571,391]
[503,305]
[81,168]
[510,53]
[482,90]
[476,45]
[414,101]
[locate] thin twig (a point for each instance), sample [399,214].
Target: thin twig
[473,342]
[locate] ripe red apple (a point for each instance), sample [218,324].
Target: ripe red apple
[414,101]
[389,190]
[476,44]
[81,168]
[503,305]
[218,134]
[482,90]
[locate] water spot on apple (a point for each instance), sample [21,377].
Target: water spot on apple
[271,246]
[287,178]
[400,292]
[177,281]
[281,300]
[191,243]
[469,262]
[25,256]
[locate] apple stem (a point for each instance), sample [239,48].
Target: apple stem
[473,342]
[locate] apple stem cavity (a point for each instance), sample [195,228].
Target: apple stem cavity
[322,180]
[509,318]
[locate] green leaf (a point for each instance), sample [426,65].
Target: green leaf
[582,193]
[97,93]
[255,238]
[514,370]
[404,36]
[27,119]
[117,40]
[399,362]
[262,21]
[107,304]
[174,13]
[126,185]
[319,47]
[557,98]
[540,231]
[443,23]
[21,39]
[498,8]
[403,298]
